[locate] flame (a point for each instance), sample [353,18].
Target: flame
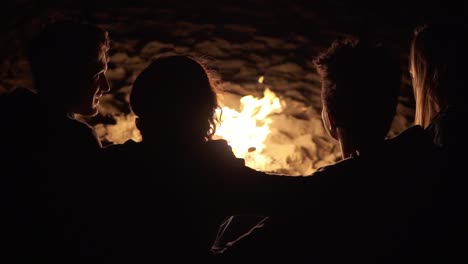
[247,130]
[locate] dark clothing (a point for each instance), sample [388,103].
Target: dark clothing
[448,131]
[35,130]
[375,206]
[15,190]
[45,151]
[171,199]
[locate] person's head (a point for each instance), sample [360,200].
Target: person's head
[68,63]
[175,96]
[360,87]
[438,67]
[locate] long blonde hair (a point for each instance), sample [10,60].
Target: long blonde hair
[437,57]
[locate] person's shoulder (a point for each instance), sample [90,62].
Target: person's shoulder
[218,145]
[79,132]
[344,173]
[337,168]
[80,126]
[118,155]
[221,152]
[129,145]
[411,141]
[409,135]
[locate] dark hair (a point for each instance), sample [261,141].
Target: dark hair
[177,92]
[438,66]
[64,46]
[360,85]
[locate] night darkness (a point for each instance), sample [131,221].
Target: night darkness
[244,42]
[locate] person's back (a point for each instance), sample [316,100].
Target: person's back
[165,200]
[360,85]
[438,67]
[376,206]
[388,186]
[175,184]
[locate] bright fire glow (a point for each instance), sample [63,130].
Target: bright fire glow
[247,130]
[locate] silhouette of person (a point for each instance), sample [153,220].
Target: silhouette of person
[177,212]
[384,185]
[358,110]
[361,206]
[353,112]
[438,58]
[70,79]
[382,188]
[437,65]
[46,144]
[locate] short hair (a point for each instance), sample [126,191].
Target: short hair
[62,47]
[177,91]
[360,85]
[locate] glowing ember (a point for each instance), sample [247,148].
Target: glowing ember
[247,130]
[260,79]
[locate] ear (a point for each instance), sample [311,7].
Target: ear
[138,123]
[329,124]
[333,128]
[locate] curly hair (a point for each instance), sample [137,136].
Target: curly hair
[180,92]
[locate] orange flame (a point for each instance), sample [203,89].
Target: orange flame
[247,130]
